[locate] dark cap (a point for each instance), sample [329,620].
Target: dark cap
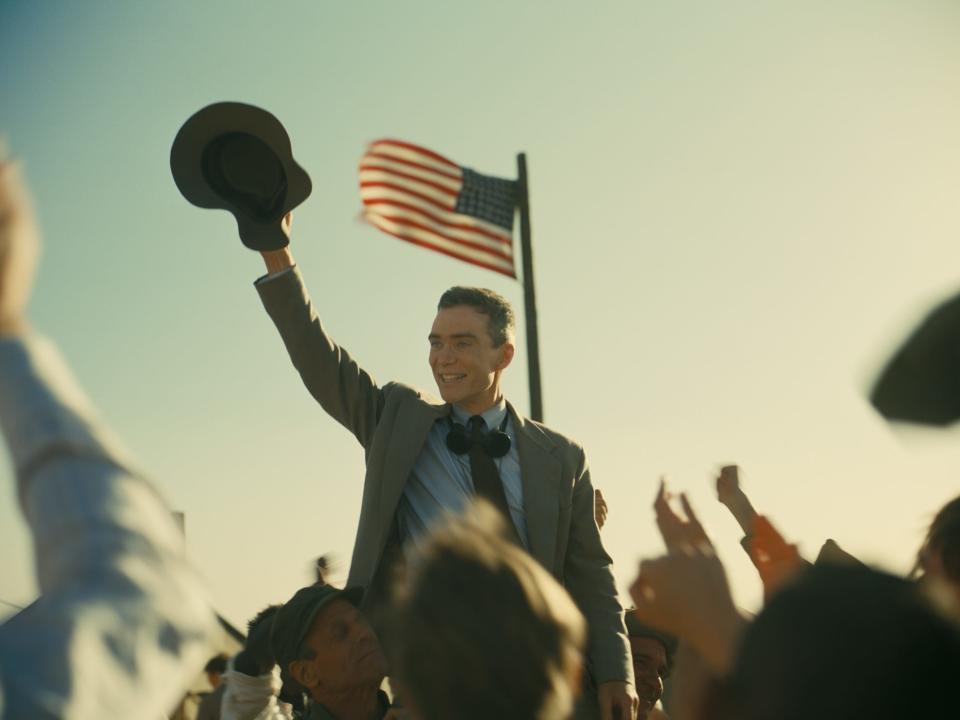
[637,629]
[293,620]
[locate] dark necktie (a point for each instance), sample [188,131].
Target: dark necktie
[486,479]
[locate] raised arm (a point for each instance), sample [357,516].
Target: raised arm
[122,623]
[732,496]
[345,390]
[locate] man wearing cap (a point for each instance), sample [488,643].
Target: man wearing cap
[425,458]
[328,647]
[652,652]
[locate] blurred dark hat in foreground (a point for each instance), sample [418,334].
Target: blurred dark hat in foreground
[237,157]
[921,383]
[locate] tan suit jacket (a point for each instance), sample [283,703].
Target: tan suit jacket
[392,421]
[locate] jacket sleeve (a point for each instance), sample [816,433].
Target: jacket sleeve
[345,390]
[122,624]
[588,575]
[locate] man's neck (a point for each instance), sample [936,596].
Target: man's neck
[481,405]
[354,704]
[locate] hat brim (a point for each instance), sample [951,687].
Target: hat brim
[187,165]
[285,645]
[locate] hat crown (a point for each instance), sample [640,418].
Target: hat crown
[246,171]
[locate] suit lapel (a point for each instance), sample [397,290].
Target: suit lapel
[406,442]
[541,475]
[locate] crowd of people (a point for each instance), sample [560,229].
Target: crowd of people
[479,586]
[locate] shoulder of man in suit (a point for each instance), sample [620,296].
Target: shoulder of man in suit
[396,391]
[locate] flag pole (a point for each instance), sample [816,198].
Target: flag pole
[529,297]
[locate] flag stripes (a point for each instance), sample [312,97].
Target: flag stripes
[421,197]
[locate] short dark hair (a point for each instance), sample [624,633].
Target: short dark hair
[257,644]
[943,539]
[216,664]
[498,310]
[482,630]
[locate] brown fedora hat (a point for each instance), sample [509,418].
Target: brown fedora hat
[237,157]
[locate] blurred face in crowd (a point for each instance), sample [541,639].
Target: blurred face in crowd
[649,669]
[214,679]
[466,366]
[346,653]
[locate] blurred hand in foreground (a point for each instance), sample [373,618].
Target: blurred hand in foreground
[732,496]
[599,508]
[686,592]
[19,245]
[776,560]
[678,533]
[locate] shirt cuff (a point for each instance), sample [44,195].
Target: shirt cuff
[272,276]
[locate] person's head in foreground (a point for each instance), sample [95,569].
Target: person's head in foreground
[215,668]
[483,631]
[471,344]
[844,642]
[652,653]
[256,657]
[939,556]
[328,647]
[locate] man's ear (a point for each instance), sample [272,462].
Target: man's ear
[304,673]
[507,351]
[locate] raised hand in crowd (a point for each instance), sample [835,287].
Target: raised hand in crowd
[599,508]
[122,623]
[686,594]
[732,496]
[776,560]
[678,532]
[19,245]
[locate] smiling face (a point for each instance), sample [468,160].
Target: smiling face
[649,669]
[466,366]
[346,653]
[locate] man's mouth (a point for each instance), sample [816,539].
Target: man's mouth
[648,697]
[447,378]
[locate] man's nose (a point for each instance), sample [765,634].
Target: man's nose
[650,676]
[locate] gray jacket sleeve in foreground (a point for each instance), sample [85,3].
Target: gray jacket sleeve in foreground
[588,575]
[345,390]
[122,623]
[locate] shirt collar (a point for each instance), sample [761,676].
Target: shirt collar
[492,416]
[320,712]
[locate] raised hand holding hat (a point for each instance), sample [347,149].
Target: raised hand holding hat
[237,157]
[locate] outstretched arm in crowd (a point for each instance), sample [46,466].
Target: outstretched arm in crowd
[776,560]
[121,624]
[685,592]
[732,496]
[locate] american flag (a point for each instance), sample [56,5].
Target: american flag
[421,197]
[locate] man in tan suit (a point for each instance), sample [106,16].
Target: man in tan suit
[414,474]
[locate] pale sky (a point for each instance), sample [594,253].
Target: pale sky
[737,208]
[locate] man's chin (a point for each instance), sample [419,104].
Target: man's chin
[449,394]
